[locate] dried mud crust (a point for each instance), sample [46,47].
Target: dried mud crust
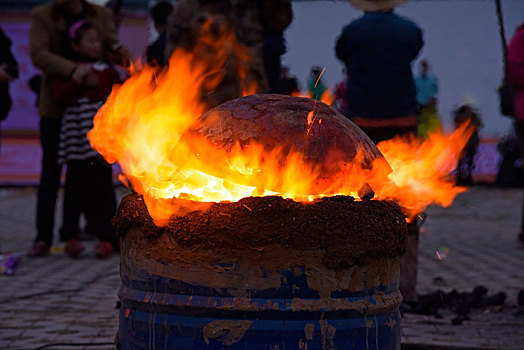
[349,232]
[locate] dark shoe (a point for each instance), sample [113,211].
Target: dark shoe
[38,249]
[104,249]
[74,248]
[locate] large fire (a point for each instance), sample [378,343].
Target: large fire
[143,126]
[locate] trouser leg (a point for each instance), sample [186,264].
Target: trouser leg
[49,179]
[101,203]
[74,193]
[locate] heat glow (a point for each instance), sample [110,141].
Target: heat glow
[143,126]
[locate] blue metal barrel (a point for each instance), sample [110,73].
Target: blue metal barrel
[224,305]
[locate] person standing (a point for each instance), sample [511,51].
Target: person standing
[156,51]
[8,73]
[88,186]
[48,42]
[426,84]
[516,77]
[467,113]
[378,50]
[427,89]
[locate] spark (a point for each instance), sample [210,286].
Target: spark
[436,251]
[320,76]
[156,80]
[248,208]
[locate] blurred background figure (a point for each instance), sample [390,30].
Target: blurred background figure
[463,114]
[516,77]
[287,84]
[88,187]
[315,85]
[156,51]
[377,50]
[426,84]
[340,93]
[427,89]
[246,35]
[8,73]
[49,51]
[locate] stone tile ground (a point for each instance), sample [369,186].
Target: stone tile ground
[57,300]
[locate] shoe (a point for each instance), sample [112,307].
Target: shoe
[40,248]
[74,248]
[104,249]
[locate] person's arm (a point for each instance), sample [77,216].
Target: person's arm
[516,59]
[118,53]
[7,58]
[419,43]
[345,44]
[341,49]
[41,54]
[110,34]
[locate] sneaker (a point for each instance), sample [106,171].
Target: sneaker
[74,248]
[104,249]
[40,248]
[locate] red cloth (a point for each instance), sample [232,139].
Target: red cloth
[516,70]
[69,90]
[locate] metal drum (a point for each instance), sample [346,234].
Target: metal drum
[225,305]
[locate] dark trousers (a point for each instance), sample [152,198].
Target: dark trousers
[49,179]
[519,130]
[89,189]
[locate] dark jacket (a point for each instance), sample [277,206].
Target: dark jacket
[378,49]
[6,57]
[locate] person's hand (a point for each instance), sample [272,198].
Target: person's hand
[91,79]
[4,76]
[121,56]
[80,73]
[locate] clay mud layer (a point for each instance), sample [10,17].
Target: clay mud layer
[262,273]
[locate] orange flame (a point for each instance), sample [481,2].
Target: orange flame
[421,169]
[143,127]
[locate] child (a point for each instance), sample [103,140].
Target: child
[88,187]
[466,112]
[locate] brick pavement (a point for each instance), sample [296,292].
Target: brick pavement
[57,300]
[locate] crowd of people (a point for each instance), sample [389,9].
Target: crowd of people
[75,45]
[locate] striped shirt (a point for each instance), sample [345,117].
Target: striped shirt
[76,123]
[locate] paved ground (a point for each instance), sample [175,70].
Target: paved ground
[57,300]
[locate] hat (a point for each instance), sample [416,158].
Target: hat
[375,5]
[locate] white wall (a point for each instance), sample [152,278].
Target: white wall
[462,44]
